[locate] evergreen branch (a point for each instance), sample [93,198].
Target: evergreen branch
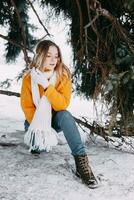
[38,18]
[14,43]
[22,32]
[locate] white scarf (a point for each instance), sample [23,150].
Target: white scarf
[40,134]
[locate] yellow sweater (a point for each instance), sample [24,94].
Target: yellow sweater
[59,96]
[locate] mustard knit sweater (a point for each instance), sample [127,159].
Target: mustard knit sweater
[58,95]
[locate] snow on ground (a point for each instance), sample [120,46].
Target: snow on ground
[49,176]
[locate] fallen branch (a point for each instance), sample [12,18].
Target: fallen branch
[94,128]
[10,93]
[122,143]
[8,144]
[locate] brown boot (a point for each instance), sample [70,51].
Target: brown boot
[83,170]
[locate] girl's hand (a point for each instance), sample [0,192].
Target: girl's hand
[39,78]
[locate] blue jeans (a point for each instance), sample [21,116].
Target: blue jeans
[64,121]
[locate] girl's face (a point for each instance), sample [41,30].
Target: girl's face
[51,59]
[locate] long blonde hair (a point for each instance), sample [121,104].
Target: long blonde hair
[40,56]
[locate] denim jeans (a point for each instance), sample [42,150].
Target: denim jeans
[64,121]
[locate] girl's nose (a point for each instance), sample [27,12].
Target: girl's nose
[53,59]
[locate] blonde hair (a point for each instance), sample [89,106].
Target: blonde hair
[41,53]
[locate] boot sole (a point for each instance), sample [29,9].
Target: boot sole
[91,186]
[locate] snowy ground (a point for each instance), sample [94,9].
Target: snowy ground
[49,177]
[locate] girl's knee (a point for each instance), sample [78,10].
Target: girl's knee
[64,113]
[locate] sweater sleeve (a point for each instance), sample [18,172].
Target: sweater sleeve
[26,99]
[59,97]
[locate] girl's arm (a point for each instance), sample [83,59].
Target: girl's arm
[59,97]
[26,99]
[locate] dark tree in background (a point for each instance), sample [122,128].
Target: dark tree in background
[14,16]
[102,37]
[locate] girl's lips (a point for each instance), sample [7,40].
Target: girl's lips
[46,70]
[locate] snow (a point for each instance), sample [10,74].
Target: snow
[49,176]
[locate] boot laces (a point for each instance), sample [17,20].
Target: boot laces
[84,165]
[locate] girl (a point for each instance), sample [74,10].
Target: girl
[46,90]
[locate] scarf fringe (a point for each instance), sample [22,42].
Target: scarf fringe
[41,140]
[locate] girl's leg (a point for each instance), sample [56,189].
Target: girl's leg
[63,120]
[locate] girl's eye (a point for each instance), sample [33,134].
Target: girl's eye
[48,56]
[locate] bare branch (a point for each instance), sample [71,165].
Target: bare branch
[96,6]
[81,21]
[86,27]
[38,18]
[91,23]
[91,3]
[118,27]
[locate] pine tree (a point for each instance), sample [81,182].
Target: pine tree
[102,37]
[9,19]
